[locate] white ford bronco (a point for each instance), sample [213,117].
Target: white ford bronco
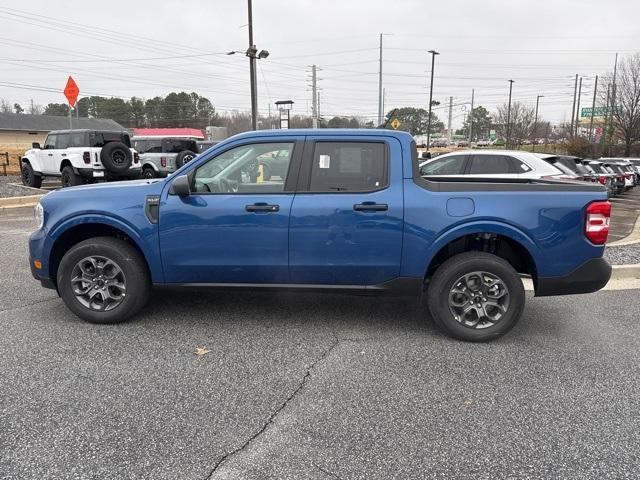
[81,156]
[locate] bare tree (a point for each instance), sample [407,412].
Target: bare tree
[5,107]
[522,119]
[35,109]
[626,112]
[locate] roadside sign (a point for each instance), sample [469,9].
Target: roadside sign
[395,123]
[71,91]
[492,134]
[587,112]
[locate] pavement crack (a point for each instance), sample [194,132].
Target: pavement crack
[325,471]
[31,304]
[275,413]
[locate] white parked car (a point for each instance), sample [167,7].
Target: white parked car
[81,156]
[490,164]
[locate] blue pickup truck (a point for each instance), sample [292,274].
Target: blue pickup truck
[327,210]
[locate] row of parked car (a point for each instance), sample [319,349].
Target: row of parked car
[616,174]
[87,156]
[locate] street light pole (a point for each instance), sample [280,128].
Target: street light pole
[433,61]
[535,123]
[509,113]
[252,71]
[593,107]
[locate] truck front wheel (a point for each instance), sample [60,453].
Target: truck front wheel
[476,296]
[103,280]
[29,178]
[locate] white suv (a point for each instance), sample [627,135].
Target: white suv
[81,156]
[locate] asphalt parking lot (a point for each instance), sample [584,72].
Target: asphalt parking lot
[310,386]
[625,209]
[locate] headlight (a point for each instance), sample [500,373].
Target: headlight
[38,214]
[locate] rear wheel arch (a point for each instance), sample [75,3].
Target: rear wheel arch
[501,245]
[85,231]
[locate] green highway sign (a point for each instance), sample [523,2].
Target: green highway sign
[597,112]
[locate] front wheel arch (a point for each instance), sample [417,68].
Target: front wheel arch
[84,231]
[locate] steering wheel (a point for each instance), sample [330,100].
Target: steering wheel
[228,186]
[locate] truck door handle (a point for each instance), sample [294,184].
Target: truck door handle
[377,207]
[50,154]
[262,207]
[63,154]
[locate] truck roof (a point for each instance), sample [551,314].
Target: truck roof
[101,130]
[344,132]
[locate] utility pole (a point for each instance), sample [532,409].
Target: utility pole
[433,60]
[509,114]
[384,97]
[471,117]
[380,85]
[314,106]
[578,108]
[450,118]
[535,123]
[252,71]
[573,108]
[613,102]
[593,107]
[318,105]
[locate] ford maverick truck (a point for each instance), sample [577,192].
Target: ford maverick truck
[345,210]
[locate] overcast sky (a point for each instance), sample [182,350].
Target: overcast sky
[146,48]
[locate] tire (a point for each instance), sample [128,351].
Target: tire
[444,304]
[29,177]
[130,264]
[185,156]
[116,157]
[69,178]
[148,172]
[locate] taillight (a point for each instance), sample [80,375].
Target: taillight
[596,227]
[163,161]
[602,179]
[136,157]
[86,156]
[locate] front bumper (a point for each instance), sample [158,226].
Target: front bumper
[44,281]
[589,277]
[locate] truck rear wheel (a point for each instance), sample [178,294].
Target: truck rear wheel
[476,296]
[68,177]
[103,280]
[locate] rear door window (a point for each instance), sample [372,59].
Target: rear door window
[492,164]
[349,167]
[153,146]
[76,139]
[453,165]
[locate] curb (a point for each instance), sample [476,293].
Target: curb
[14,202]
[626,272]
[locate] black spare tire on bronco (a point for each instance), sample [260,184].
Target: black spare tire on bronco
[184,156]
[116,157]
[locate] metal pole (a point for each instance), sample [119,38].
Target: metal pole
[593,107]
[314,106]
[380,85]
[433,60]
[384,96]
[450,118]
[573,108]
[471,117]
[70,118]
[578,107]
[509,114]
[613,102]
[252,71]
[535,124]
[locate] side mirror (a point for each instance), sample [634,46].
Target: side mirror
[35,145]
[180,186]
